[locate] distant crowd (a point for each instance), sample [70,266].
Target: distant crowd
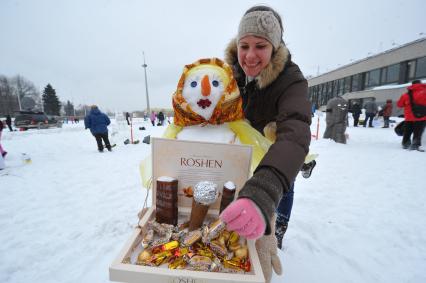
[413,103]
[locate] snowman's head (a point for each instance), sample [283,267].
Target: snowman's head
[203,87]
[207,93]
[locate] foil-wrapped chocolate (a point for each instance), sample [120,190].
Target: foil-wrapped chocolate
[205,192]
[147,239]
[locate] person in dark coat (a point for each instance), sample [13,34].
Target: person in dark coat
[97,122]
[161,118]
[2,151]
[273,89]
[371,110]
[337,113]
[356,112]
[413,125]
[387,112]
[127,118]
[9,122]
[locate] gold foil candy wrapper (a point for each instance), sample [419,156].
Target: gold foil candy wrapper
[181,251]
[206,252]
[144,257]
[170,246]
[218,249]
[233,238]
[178,263]
[191,238]
[215,229]
[200,261]
[159,258]
[147,239]
[237,264]
[234,247]
[241,253]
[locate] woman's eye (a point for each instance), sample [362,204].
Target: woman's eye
[193,84]
[215,83]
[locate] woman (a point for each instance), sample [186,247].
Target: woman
[274,91]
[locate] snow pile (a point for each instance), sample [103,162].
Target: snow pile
[66,215]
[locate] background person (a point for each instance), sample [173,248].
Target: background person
[9,122]
[273,90]
[413,125]
[2,151]
[356,112]
[371,110]
[97,122]
[387,112]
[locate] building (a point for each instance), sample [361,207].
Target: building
[383,76]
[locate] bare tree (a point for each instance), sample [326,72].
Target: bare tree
[8,101]
[24,88]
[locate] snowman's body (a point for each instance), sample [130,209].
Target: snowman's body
[209,133]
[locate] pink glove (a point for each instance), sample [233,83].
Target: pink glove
[244,217]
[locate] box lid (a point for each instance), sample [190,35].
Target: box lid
[191,162]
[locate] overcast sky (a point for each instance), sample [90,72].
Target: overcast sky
[91,51]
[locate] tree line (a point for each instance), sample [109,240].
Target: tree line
[20,94]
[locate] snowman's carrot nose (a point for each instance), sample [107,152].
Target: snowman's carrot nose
[205,86]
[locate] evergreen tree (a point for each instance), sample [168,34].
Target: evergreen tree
[69,108]
[51,104]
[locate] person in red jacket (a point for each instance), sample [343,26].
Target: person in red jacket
[413,125]
[387,112]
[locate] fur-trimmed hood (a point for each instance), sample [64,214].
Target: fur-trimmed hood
[278,62]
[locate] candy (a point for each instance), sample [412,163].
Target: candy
[178,263]
[147,239]
[200,261]
[191,238]
[215,229]
[241,253]
[170,246]
[144,256]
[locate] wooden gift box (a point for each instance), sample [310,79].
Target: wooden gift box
[178,159]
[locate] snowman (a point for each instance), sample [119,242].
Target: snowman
[208,107]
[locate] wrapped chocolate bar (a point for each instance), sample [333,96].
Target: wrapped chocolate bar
[167,200]
[228,195]
[205,194]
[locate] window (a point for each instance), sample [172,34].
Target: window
[335,86]
[373,78]
[383,76]
[347,87]
[411,70]
[421,68]
[355,81]
[340,86]
[392,74]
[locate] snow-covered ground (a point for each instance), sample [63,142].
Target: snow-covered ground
[65,216]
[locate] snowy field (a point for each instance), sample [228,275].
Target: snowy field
[65,216]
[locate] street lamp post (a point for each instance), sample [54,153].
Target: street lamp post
[146,85]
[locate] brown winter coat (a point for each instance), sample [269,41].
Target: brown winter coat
[387,110]
[278,94]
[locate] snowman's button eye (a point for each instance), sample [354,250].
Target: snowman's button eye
[215,83]
[193,83]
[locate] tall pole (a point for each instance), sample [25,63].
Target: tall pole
[146,85]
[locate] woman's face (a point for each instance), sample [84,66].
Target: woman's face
[254,54]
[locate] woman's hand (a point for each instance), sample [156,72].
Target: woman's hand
[244,217]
